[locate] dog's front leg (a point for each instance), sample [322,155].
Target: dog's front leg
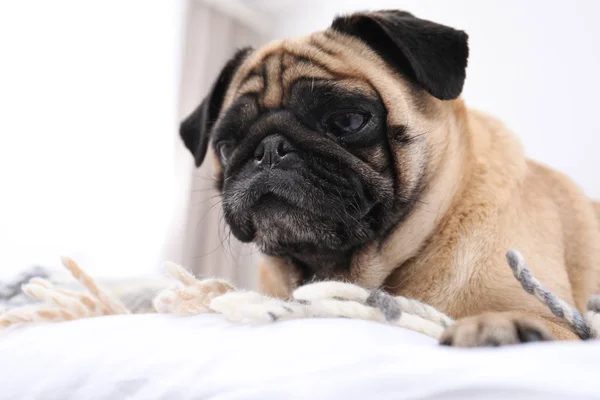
[504,328]
[277,278]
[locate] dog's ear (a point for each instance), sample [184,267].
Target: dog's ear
[432,55]
[196,129]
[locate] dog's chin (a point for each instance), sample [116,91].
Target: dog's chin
[283,229]
[279,228]
[284,213]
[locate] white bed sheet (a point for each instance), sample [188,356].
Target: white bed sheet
[147,357]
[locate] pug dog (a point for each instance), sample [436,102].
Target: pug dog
[348,154]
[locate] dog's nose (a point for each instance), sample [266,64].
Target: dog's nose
[272,150]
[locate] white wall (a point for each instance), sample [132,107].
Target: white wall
[88,121]
[535,64]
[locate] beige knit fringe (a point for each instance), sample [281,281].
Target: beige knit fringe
[62,305]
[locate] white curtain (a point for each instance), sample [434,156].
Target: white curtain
[215,29]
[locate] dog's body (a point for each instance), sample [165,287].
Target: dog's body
[343,159]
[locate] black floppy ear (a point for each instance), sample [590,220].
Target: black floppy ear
[432,55]
[196,129]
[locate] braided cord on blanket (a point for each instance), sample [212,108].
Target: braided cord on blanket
[423,310]
[344,301]
[346,291]
[558,307]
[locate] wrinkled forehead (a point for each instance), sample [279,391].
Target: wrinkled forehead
[271,71]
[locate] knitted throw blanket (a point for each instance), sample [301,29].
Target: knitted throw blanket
[189,296]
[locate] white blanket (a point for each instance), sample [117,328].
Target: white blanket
[148,357]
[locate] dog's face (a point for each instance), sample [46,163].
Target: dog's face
[321,142]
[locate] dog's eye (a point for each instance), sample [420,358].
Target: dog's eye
[225,149]
[345,123]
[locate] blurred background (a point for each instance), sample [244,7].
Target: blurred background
[92,91]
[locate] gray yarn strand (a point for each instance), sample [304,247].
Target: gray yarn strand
[385,303]
[393,306]
[594,304]
[558,307]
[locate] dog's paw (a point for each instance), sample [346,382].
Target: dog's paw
[496,329]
